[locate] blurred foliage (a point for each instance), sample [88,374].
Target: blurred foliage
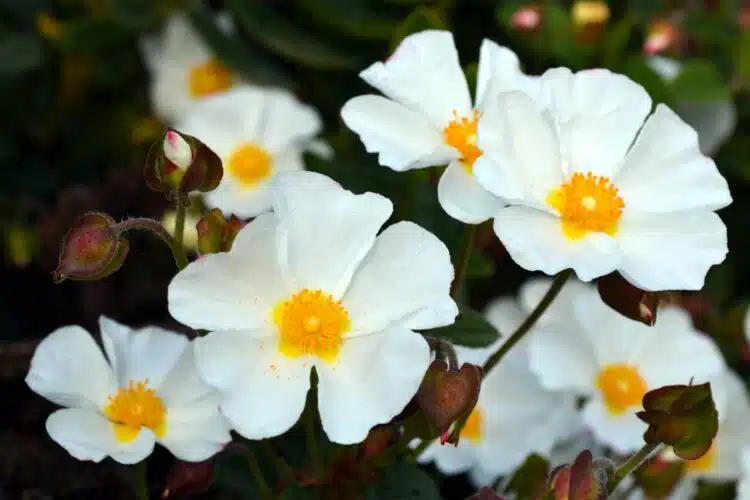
[76,125]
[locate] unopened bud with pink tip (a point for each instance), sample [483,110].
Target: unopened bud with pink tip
[91,250]
[526,18]
[662,36]
[177,150]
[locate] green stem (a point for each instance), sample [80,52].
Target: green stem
[420,448]
[443,350]
[141,481]
[179,225]
[178,252]
[252,462]
[312,443]
[463,263]
[526,326]
[631,464]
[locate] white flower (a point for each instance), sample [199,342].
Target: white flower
[147,390]
[514,417]
[743,485]
[256,132]
[615,361]
[714,121]
[183,68]
[427,118]
[587,194]
[313,285]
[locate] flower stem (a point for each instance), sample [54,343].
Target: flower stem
[463,263]
[312,443]
[141,482]
[179,225]
[252,462]
[178,252]
[420,448]
[444,349]
[529,322]
[631,464]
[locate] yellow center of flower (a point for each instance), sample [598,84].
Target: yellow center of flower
[209,78]
[703,463]
[622,387]
[249,164]
[311,323]
[133,408]
[473,428]
[587,203]
[461,133]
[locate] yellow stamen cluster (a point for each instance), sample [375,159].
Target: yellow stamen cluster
[136,407]
[622,387]
[461,133]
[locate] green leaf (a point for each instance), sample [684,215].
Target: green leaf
[529,478]
[348,17]
[92,36]
[615,42]
[743,56]
[402,481]
[480,266]
[299,493]
[20,53]
[699,80]
[471,329]
[264,24]
[422,18]
[136,15]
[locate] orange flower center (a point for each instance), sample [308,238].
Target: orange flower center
[133,408]
[473,428]
[249,164]
[622,387]
[587,203]
[461,133]
[311,323]
[209,78]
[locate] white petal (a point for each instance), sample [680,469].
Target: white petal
[563,358]
[665,171]
[535,241]
[500,71]
[197,432]
[714,121]
[598,114]
[183,386]
[90,436]
[322,241]
[264,391]
[424,74]
[235,290]
[671,251]
[463,198]
[168,93]
[403,138]
[372,380]
[407,270]
[440,313]
[504,314]
[321,148]
[245,202]
[293,190]
[290,159]
[286,121]
[561,309]
[622,432]
[69,369]
[448,459]
[520,144]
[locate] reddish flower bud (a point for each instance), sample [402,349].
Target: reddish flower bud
[180,164]
[486,493]
[215,233]
[188,477]
[90,250]
[661,37]
[627,299]
[578,481]
[449,396]
[526,18]
[378,440]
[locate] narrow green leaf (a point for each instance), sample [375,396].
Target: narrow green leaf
[470,329]
[348,17]
[699,80]
[267,27]
[20,53]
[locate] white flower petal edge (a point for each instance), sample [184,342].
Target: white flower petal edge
[320,240]
[579,133]
[156,371]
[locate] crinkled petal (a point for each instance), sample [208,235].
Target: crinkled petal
[407,270]
[323,240]
[666,172]
[90,436]
[424,74]
[440,313]
[533,291]
[598,114]
[196,432]
[521,153]
[286,121]
[623,432]
[448,459]
[535,241]
[371,381]
[69,369]
[500,71]
[504,314]
[235,290]
[403,138]
[463,198]
[563,358]
[264,392]
[245,202]
[671,251]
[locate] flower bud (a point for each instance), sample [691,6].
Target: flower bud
[215,233]
[449,396]
[90,250]
[486,493]
[627,299]
[180,164]
[186,478]
[578,480]
[662,36]
[378,440]
[526,18]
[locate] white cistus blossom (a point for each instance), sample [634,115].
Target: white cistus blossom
[146,391]
[426,117]
[313,285]
[593,187]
